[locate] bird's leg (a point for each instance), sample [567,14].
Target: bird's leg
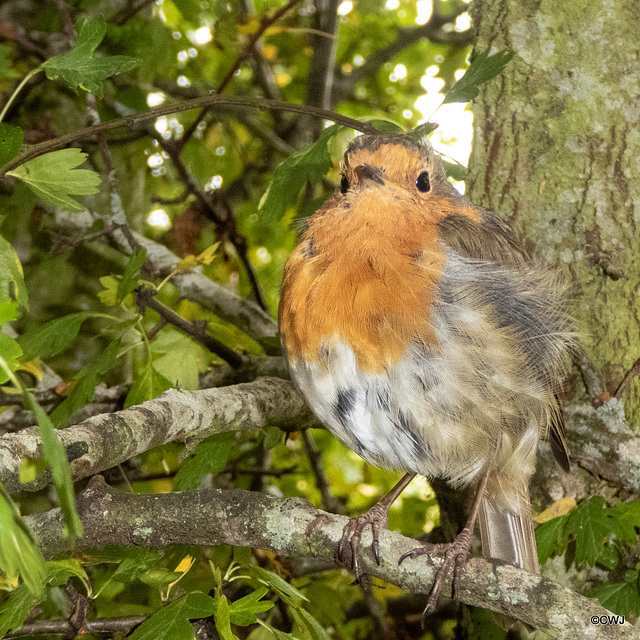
[455,553]
[376,516]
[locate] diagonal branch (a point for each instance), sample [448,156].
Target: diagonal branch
[106,440]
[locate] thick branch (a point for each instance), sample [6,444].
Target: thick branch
[292,527]
[106,440]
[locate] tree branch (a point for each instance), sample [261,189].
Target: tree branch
[292,527]
[133,120]
[106,440]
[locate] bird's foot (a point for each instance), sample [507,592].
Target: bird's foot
[348,550]
[454,554]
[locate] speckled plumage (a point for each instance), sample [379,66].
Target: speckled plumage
[424,337]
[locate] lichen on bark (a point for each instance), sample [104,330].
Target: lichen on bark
[556,148]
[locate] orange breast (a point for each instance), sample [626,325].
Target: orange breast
[366,273]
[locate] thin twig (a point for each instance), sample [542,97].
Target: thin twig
[329,502]
[145,297]
[244,54]
[128,12]
[626,381]
[136,119]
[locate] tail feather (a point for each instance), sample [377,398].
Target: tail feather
[507,534]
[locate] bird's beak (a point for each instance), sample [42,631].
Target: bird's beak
[367,172]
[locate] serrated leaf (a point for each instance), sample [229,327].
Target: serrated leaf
[591,524]
[172,622]
[206,257]
[209,456]
[85,384]
[146,386]
[10,353]
[178,358]
[54,178]
[52,337]
[15,609]
[6,68]
[551,538]
[19,554]
[482,69]
[622,598]
[79,67]
[109,295]
[12,287]
[307,165]
[627,517]
[243,612]
[288,593]
[11,139]
[131,275]
[59,571]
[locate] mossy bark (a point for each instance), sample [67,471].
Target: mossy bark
[557,151]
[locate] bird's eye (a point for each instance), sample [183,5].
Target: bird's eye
[344,184]
[422,182]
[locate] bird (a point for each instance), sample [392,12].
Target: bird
[426,338]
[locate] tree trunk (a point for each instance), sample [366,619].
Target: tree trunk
[556,148]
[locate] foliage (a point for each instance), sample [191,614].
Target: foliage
[218,189]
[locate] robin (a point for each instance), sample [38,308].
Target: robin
[427,340]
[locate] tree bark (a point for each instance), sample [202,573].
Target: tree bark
[292,527]
[555,150]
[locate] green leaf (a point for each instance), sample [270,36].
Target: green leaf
[79,67]
[422,130]
[223,622]
[131,275]
[552,538]
[622,598]
[288,593]
[627,517]
[172,622]
[59,571]
[54,177]
[8,311]
[243,612]
[15,609]
[591,524]
[12,285]
[178,358]
[11,139]
[19,554]
[10,353]
[146,386]
[384,126]
[85,384]
[54,453]
[482,69]
[210,456]
[307,165]
[317,631]
[53,337]
[6,67]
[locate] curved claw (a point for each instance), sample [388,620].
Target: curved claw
[455,553]
[352,534]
